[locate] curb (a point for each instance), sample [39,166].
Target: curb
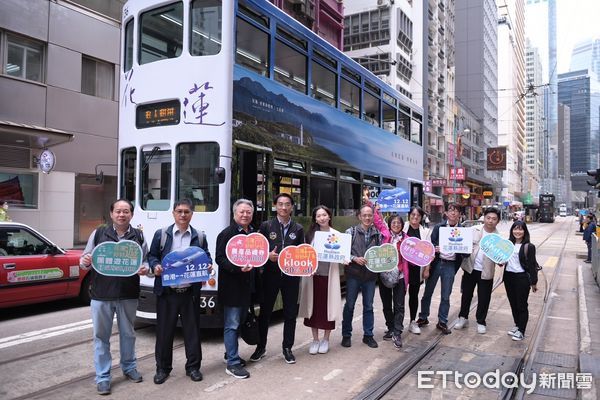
[585,339]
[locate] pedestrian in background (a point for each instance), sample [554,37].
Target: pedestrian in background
[590,229]
[178,301]
[236,285]
[281,232]
[414,228]
[320,294]
[359,278]
[114,295]
[520,276]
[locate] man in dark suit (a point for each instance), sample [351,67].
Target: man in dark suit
[181,300]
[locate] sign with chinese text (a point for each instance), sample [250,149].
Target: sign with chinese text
[451,153]
[332,246]
[496,159]
[382,258]
[394,200]
[427,186]
[34,275]
[298,260]
[248,250]
[496,249]
[488,193]
[456,240]
[439,182]
[122,258]
[458,174]
[456,190]
[185,266]
[416,251]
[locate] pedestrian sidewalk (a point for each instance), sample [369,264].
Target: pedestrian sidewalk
[589,328]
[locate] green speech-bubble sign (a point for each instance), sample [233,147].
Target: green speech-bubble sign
[117,258]
[382,258]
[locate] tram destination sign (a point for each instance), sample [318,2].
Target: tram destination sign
[157,114]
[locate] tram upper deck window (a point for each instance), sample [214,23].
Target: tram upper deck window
[371,109]
[161,33]
[128,50]
[324,84]
[195,175]
[403,125]
[389,118]
[349,97]
[155,179]
[415,131]
[252,50]
[290,67]
[128,170]
[206,26]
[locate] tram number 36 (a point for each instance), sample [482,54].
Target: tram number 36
[207,302]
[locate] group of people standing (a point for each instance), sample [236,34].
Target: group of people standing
[316,298]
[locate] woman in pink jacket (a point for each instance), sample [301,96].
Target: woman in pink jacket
[393,233]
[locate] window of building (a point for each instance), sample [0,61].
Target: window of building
[377,63]
[367,29]
[290,67]
[195,175]
[324,84]
[128,51]
[19,189]
[405,31]
[24,58]
[205,35]
[161,33]
[252,48]
[97,78]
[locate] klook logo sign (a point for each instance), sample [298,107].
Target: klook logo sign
[298,260]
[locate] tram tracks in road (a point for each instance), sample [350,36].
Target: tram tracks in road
[387,382]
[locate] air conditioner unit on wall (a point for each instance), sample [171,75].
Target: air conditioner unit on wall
[382,3]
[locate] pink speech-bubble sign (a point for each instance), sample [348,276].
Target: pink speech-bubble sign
[416,251]
[248,250]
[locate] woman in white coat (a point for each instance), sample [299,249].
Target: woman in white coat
[320,294]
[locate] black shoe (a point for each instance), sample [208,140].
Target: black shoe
[369,341]
[587,261]
[242,361]
[289,357]
[103,388]
[160,377]
[422,322]
[387,335]
[258,354]
[346,341]
[237,371]
[195,375]
[444,328]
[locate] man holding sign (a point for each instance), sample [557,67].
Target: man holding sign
[478,271]
[236,284]
[112,294]
[181,299]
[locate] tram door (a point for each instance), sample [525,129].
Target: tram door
[252,169]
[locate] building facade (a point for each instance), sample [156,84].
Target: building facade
[59,92]
[534,122]
[586,55]
[564,194]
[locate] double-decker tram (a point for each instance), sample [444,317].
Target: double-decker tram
[227,99]
[546,208]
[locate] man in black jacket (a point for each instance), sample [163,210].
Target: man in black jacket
[444,267]
[236,285]
[181,300]
[114,295]
[281,232]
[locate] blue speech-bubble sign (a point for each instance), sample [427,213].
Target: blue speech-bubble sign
[185,266]
[394,200]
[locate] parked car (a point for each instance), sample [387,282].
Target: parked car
[35,270]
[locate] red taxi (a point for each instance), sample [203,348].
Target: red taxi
[35,270]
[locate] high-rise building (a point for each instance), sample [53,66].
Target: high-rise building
[511,103]
[324,17]
[586,55]
[580,91]
[59,91]
[564,154]
[534,122]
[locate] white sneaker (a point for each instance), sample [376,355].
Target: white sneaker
[512,331]
[414,328]
[481,329]
[314,347]
[462,322]
[518,336]
[323,346]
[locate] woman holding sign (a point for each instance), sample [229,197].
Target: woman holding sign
[520,275]
[320,294]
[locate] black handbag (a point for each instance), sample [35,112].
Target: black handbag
[249,328]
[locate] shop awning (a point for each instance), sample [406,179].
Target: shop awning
[432,195]
[31,136]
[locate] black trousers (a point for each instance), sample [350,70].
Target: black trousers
[484,295]
[386,295]
[169,307]
[517,290]
[289,286]
[414,283]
